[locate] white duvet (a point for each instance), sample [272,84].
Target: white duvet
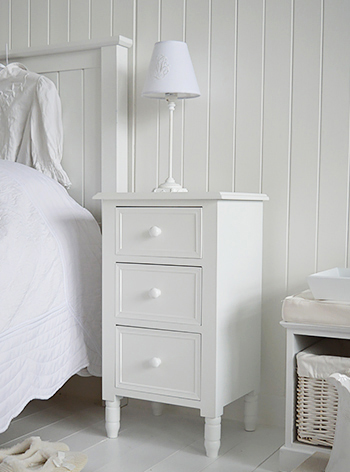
[50,288]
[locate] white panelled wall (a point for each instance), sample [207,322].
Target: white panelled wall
[273,117]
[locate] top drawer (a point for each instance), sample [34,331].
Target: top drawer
[159,231]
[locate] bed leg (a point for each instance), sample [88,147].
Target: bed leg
[113,417]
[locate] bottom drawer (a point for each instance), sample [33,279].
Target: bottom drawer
[157,361]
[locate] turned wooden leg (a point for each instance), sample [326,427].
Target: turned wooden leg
[157,408]
[113,417]
[250,411]
[212,436]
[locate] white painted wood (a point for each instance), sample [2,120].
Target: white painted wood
[197,110]
[58,21]
[222,99]
[64,48]
[249,90]
[5,25]
[38,23]
[212,436]
[92,139]
[114,119]
[148,361]
[71,91]
[175,232]
[305,114]
[81,76]
[19,24]
[174,444]
[275,183]
[143,199]
[123,13]
[299,337]
[146,121]
[113,417]
[101,18]
[152,363]
[334,177]
[80,20]
[288,159]
[171,294]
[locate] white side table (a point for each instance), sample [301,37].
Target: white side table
[181,303]
[299,337]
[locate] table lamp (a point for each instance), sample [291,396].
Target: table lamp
[170,76]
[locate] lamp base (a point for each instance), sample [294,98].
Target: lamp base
[170,186]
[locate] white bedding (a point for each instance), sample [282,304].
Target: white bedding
[50,288]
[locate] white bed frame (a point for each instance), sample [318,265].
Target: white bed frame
[92,80]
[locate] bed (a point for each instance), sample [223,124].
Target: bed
[50,238]
[50,288]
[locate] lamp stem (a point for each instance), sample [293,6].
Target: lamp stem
[172,105]
[170,185]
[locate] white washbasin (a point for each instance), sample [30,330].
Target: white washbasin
[332,284]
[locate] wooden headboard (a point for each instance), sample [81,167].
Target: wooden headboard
[92,80]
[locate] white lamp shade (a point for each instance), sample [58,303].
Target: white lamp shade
[171,72]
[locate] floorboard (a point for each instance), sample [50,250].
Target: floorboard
[172,442]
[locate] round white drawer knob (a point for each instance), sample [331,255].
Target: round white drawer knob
[154,293]
[155,362]
[154,231]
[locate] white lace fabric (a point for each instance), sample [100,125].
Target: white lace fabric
[31,131]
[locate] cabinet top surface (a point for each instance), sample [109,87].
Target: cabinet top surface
[181,196]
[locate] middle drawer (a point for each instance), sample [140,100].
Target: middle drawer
[164,293]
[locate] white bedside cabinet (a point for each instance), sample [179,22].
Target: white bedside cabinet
[181,302]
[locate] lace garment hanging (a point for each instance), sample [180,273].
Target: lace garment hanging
[31,130]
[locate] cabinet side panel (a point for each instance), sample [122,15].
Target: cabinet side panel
[108,301]
[239,298]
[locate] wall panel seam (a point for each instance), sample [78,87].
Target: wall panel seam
[29,26]
[182,157]
[210,5]
[10,25]
[234,107]
[90,19]
[48,21]
[348,204]
[69,9]
[290,132]
[111,31]
[262,106]
[319,144]
[134,101]
[158,157]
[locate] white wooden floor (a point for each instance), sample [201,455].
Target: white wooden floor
[169,443]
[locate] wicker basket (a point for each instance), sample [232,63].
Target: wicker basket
[317,405]
[317,399]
